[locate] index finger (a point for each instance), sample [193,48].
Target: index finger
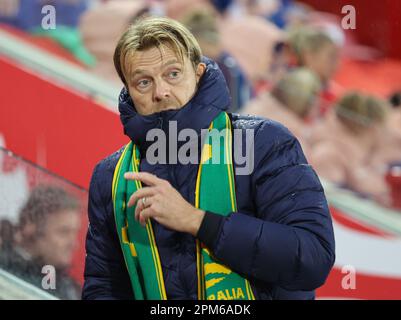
[145,177]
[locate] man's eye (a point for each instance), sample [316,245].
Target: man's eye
[143,83]
[174,74]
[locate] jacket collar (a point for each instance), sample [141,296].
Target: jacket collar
[211,98]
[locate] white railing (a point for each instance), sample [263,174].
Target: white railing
[13,288]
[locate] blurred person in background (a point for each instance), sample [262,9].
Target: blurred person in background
[203,25]
[293,102]
[46,234]
[101,27]
[344,143]
[252,41]
[316,50]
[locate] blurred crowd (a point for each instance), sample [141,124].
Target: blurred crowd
[279,58]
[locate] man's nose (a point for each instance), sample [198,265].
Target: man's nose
[161,91]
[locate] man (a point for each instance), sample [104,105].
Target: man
[168,230]
[46,234]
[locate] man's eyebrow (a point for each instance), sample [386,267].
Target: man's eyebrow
[172,61]
[141,71]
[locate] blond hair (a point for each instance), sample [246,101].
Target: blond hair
[150,32]
[203,25]
[297,90]
[307,39]
[358,111]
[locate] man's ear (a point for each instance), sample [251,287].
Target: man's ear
[200,70]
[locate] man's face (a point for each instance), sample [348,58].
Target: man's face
[59,238]
[158,81]
[324,61]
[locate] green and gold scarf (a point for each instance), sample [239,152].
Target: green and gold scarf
[215,192]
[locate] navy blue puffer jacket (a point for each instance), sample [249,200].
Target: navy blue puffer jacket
[281,238]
